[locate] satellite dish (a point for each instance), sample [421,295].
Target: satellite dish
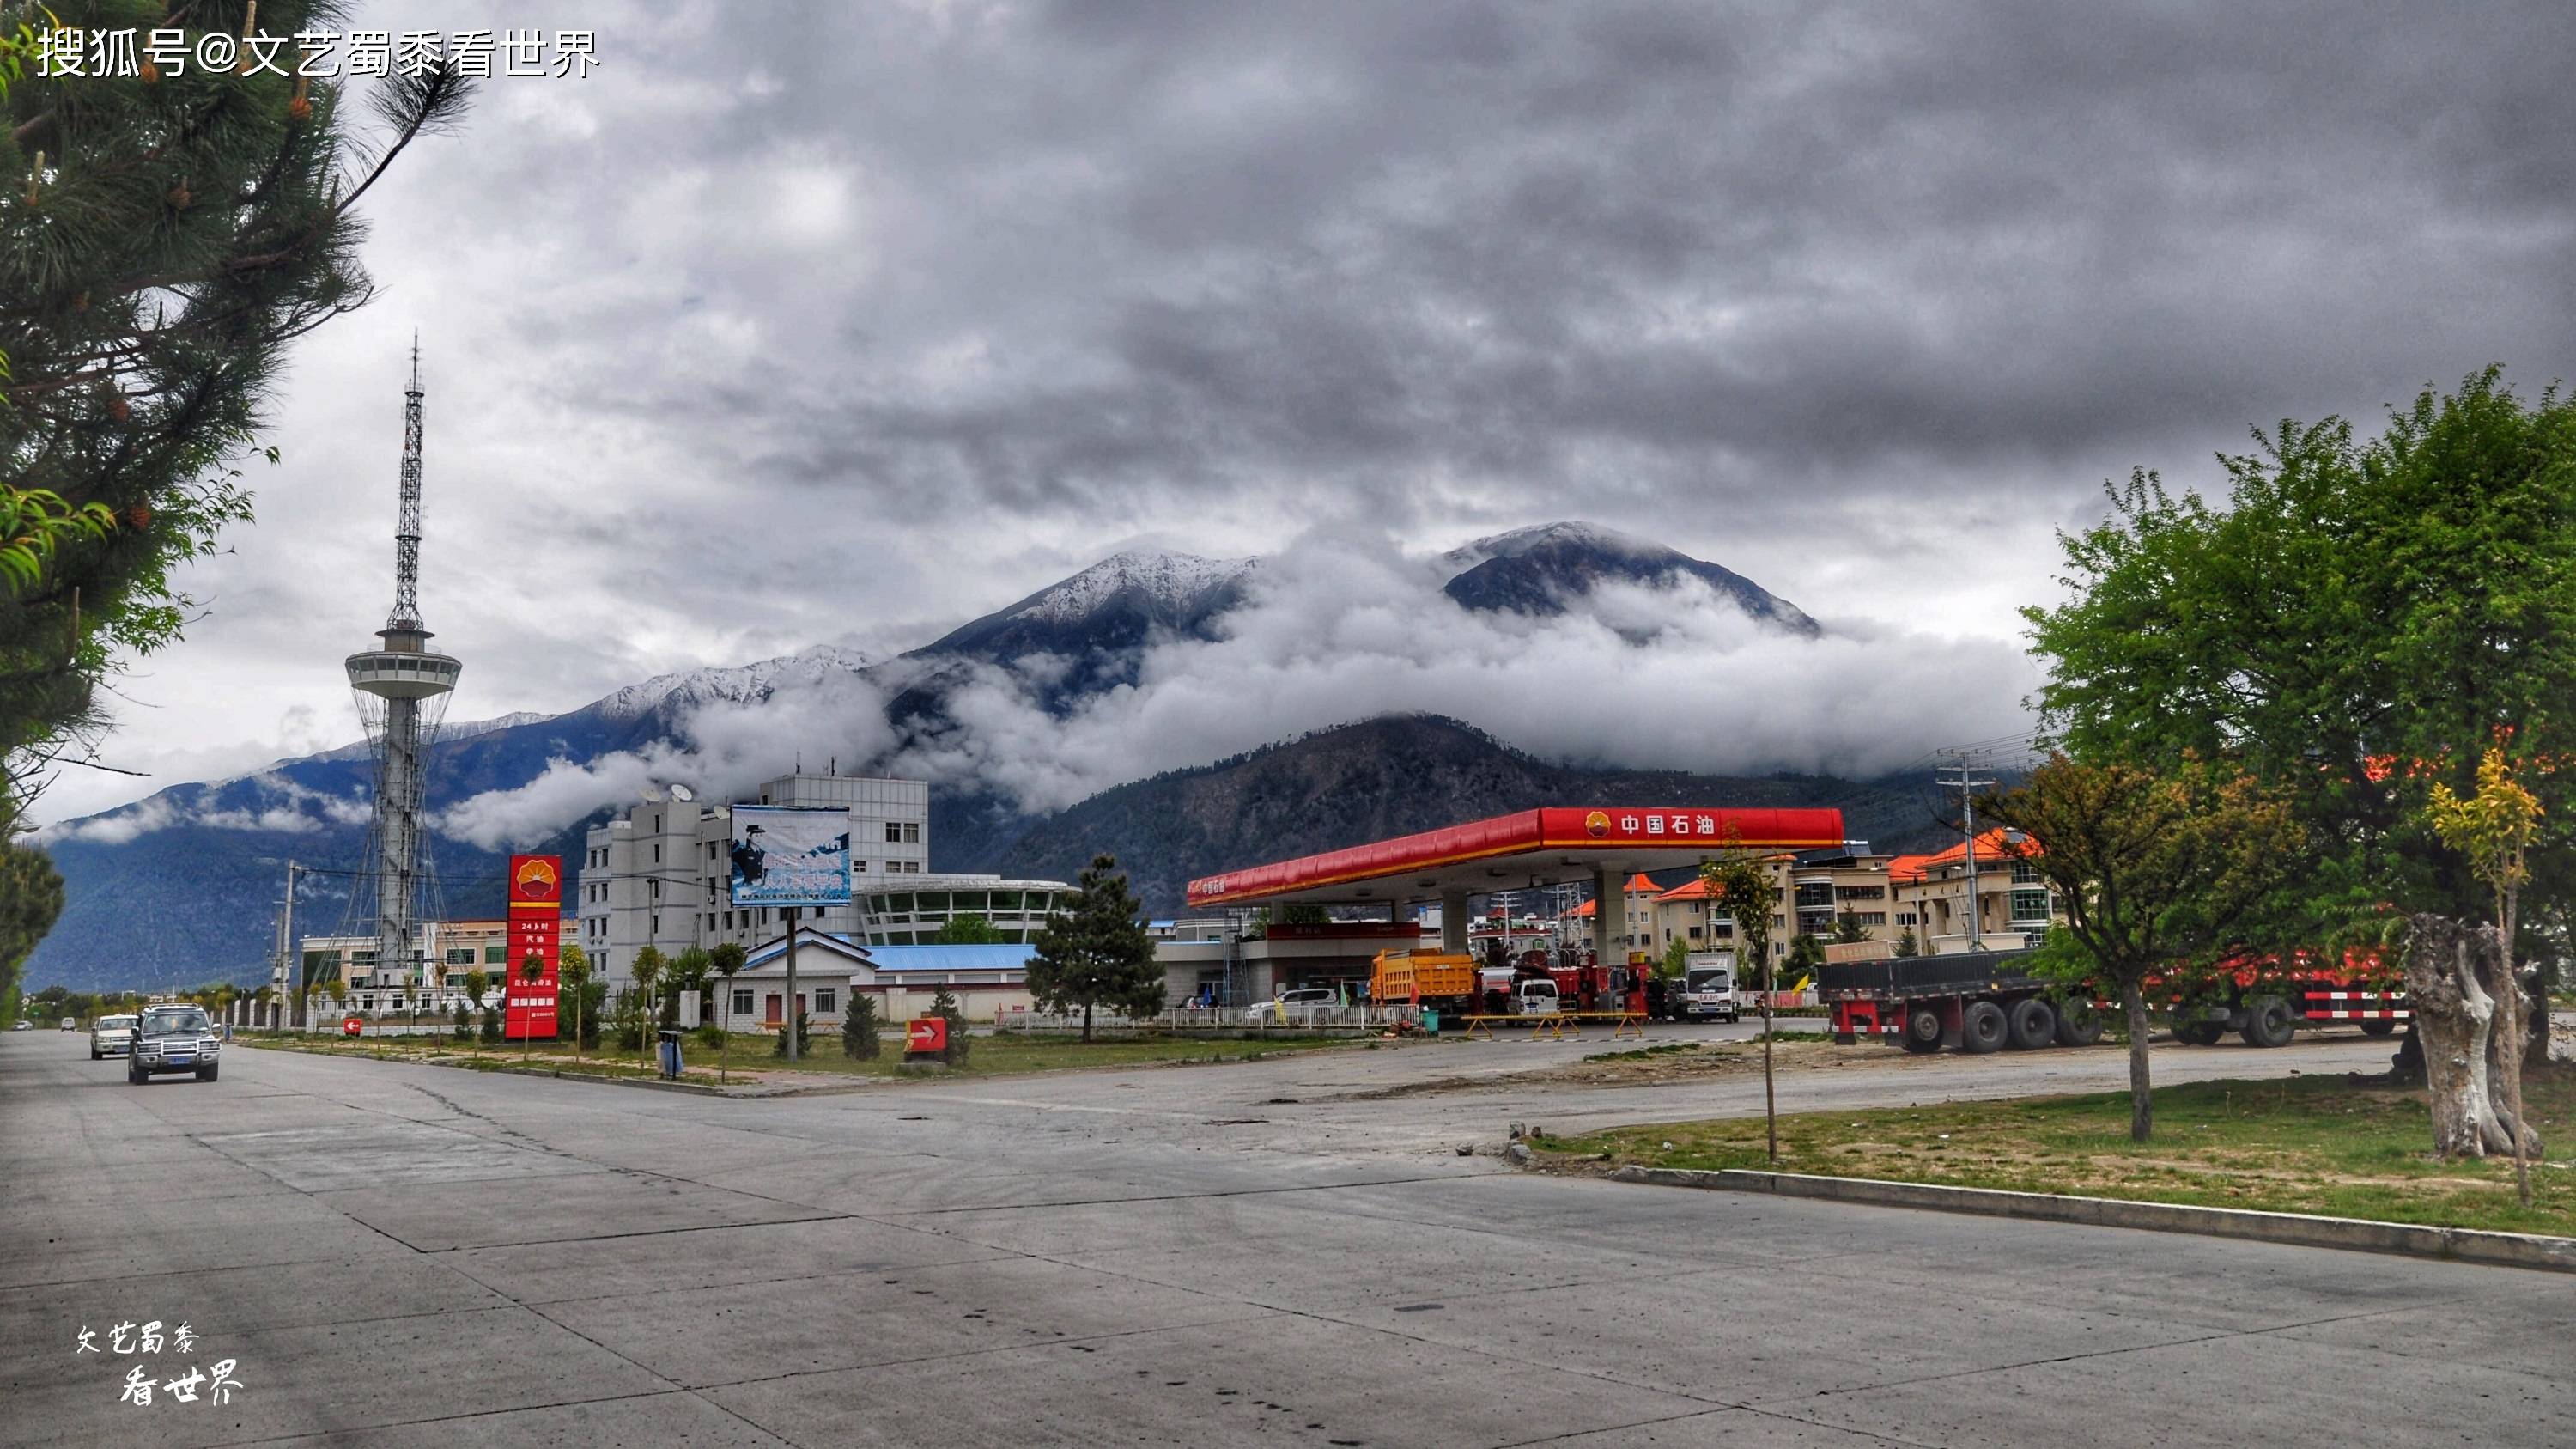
[683,794]
[653,795]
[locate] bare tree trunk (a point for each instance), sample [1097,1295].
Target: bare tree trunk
[2448,968]
[1086,1020]
[2142,1100]
[2506,1049]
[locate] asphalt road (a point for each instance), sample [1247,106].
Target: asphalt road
[395,1254]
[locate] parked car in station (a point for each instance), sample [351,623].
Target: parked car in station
[111,1036]
[173,1039]
[1298,1005]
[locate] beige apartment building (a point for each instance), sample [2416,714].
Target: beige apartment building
[2014,907]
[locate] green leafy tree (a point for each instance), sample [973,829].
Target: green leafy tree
[2353,623]
[31,896]
[461,1029]
[2158,868]
[1806,955]
[477,983]
[727,958]
[968,929]
[1096,954]
[572,981]
[165,237]
[859,1028]
[648,969]
[1675,962]
[689,971]
[804,1036]
[1908,945]
[628,1019]
[943,1004]
[491,1034]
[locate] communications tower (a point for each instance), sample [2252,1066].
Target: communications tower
[402,689]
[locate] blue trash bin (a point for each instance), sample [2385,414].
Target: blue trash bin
[670,1054]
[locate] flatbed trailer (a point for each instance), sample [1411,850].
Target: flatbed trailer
[1975,1001]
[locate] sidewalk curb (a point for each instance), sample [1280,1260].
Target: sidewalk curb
[2461,1245]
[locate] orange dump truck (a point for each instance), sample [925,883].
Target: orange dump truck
[1444,981]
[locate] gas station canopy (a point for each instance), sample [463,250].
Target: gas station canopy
[1518,852]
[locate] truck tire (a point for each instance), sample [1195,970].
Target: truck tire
[2079,1023]
[134,1073]
[1922,1030]
[207,1073]
[2030,1024]
[1982,1028]
[2198,1033]
[2381,1026]
[2269,1022]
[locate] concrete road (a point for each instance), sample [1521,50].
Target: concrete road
[406,1255]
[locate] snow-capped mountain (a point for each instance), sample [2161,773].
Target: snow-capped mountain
[690,688]
[1549,568]
[209,857]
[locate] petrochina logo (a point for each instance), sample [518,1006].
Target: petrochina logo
[1596,824]
[536,880]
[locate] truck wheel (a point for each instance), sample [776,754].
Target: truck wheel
[1922,1030]
[2079,1023]
[207,1074]
[94,1054]
[2198,1033]
[1982,1028]
[134,1073]
[2381,1027]
[2030,1024]
[2268,1022]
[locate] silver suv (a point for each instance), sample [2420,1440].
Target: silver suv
[110,1036]
[173,1039]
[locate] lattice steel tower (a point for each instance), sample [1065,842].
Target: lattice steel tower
[402,690]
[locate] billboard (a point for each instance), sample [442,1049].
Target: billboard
[536,929]
[789,857]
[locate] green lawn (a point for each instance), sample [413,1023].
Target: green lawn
[2303,1144]
[987,1056]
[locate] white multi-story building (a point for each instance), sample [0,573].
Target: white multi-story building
[657,874]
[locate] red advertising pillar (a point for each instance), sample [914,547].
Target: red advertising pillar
[536,928]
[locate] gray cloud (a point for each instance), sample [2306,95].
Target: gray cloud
[842,322]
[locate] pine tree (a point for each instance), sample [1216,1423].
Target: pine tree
[163,237]
[1097,954]
[859,1028]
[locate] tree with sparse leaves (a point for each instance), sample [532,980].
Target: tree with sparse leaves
[2158,869]
[1097,953]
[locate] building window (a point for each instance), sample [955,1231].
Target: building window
[912,832]
[496,955]
[826,1000]
[742,1003]
[894,833]
[1905,918]
[657,852]
[1860,893]
[2025,873]
[1866,918]
[460,955]
[1811,897]
[2030,906]
[656,927]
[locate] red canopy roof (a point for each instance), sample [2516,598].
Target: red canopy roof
[1512,852]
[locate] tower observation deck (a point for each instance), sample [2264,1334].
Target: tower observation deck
[402,687]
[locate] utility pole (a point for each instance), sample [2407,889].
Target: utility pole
[789,913]
[293,957]
[1968,788]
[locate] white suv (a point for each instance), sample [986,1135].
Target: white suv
[1300,1006]
[173,1039]
[111,1036]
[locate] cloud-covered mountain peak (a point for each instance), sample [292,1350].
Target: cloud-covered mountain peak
[1542,570]
[732,685]
[1178,581]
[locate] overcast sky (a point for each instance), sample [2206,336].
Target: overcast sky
[849,322]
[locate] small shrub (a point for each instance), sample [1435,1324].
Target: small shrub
[804,1038]
[464,1029]
[709,1036]
[859,1028]
[491,1026]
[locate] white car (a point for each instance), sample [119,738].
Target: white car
[173,1039]
[111,1036]
[1299,1005]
